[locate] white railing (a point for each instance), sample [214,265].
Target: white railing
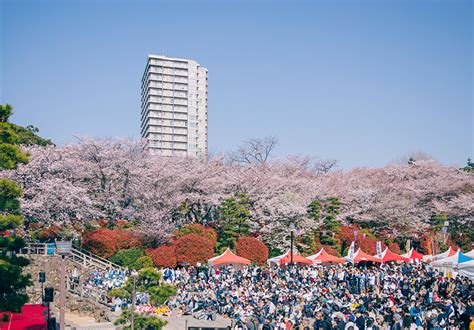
[83,258]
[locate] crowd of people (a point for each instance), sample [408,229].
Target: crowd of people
[407,296]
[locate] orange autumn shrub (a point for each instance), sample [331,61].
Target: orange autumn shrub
[163,256]
[252,249]
[193,248]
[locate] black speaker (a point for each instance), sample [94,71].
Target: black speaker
[48,294]
[42,277]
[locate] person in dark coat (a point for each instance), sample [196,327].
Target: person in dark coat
[321,323]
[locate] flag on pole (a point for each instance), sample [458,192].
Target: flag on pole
[350,254]
[379,249]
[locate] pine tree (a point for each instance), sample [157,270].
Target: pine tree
[332,210]
[234,220]
[146,281]
[13,282]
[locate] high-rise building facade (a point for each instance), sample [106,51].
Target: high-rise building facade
[174,107]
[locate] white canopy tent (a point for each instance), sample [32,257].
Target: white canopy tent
[451,262]
[286,257]
[457,263]
[470,253]
[467,269]
[448,253]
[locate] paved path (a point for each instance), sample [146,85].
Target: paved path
[80,322]
[179,323]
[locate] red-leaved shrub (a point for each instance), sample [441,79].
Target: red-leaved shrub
[394,247]
[163,256]
[330,250]
[368,245]
[106,242]
[127,239]
[346,234]
[102,242]
[193,248]
[49,234]
[252,249]
[195,228]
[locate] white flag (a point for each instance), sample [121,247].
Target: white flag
[379,249]
[350,254]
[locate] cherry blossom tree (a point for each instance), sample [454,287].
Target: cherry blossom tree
[116,179]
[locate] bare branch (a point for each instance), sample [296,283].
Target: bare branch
[255,151]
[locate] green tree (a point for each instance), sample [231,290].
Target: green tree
[332,210]
[128,257]
[13,283]
[438,220]
[234,220]
[314,210]
[469,166]
[328,210]
[147,281]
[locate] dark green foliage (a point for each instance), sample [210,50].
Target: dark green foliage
[142,321]
[328,211]
[10,221]
[469,166]
[332,210]
[28,136]
[438,220]
[5,112]
[128,258]
[273,252]
[234,220]
[13,282]
[314,210]
[143,262]
[9,194]
[11,155]
[147,280]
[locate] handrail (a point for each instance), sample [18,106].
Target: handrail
[103,262]
[50,249]
[90,254]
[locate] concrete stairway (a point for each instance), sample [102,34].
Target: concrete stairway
[81,299]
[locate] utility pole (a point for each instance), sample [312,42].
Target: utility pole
[63,248]
[292,229]
[132,320]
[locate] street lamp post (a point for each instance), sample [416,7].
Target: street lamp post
[292,229]
[63,248]
[132,320]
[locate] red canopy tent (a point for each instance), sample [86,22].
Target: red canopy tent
[388,256]
[413,255]
[228,257]
[322,256]
[361,256]
[296,259]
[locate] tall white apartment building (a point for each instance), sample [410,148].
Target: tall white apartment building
[174,107]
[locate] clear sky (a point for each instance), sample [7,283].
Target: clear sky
[363,82]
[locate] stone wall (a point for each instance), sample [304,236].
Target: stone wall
[74,303]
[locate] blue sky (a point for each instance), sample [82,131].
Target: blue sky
[363,82]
